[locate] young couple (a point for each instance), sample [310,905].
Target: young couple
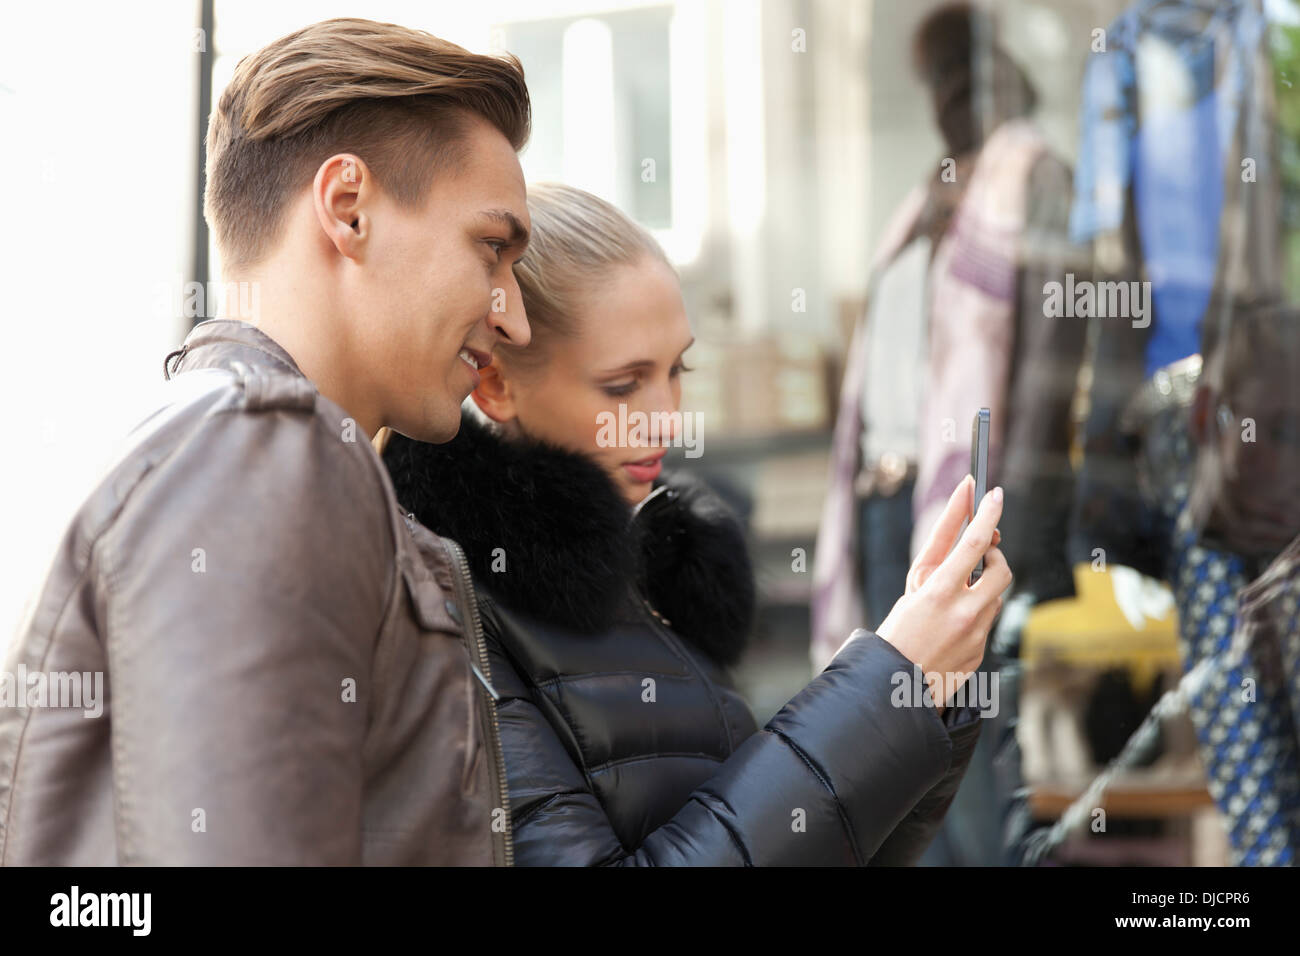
[500,642]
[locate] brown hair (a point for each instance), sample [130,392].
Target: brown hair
[945,54]
[576,238]
[399,98]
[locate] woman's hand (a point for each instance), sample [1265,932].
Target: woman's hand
[944,533]
[941,622]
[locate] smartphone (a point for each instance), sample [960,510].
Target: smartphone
[979,468]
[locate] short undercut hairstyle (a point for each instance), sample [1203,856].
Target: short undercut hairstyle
[400,99]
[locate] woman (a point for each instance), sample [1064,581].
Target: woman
[612,599]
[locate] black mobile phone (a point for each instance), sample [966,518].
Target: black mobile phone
[979,467]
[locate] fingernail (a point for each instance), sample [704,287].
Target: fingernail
[997,494]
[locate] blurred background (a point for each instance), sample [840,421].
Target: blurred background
[885,215]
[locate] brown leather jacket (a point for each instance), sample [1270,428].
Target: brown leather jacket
[288,677]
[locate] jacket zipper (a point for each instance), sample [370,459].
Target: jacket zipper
[483,671]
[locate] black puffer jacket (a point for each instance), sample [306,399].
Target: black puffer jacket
[623,740]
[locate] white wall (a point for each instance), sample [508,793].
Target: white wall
[97,158]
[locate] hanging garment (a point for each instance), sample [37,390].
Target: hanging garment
[1042,373]
[1161,107]
[891,392]
[1049,356]
[837,599]
[1269,625]
[972,320]
[891,402]
[1245,729]
[1245,732]
[1177,185]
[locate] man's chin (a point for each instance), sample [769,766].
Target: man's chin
[436,426]
[446,433]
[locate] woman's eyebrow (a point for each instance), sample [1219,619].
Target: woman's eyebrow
[629,367]
[641,363]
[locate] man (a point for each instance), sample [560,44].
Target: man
[292,666]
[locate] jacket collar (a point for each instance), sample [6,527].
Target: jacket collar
[548,535]
[219,343]
[553,524]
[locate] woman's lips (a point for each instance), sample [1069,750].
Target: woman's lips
[647,469]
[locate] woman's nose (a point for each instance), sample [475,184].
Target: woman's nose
[664,415]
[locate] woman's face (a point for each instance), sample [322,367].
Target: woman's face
[630,333]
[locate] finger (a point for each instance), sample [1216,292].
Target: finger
[981,627]
[921,573]
[997,575]
[984,623]
[975,541]
[946,529]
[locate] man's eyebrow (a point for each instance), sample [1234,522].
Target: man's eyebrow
[640,363]
[518,234]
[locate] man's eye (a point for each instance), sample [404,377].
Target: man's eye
[497,245]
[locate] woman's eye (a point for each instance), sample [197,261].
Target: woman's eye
[617,391]
[678,369]
[497,245]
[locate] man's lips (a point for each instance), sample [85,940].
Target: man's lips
[481,359]
[474,360]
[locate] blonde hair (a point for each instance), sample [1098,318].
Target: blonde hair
[576,238]
[401,99]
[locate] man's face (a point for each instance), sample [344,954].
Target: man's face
[1262,474]
[439,286]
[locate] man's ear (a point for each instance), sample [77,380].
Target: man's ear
[493,395]
[340,194]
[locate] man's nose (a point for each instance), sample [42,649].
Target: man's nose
[510,323]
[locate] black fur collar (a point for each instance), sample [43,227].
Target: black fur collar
[570,547]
